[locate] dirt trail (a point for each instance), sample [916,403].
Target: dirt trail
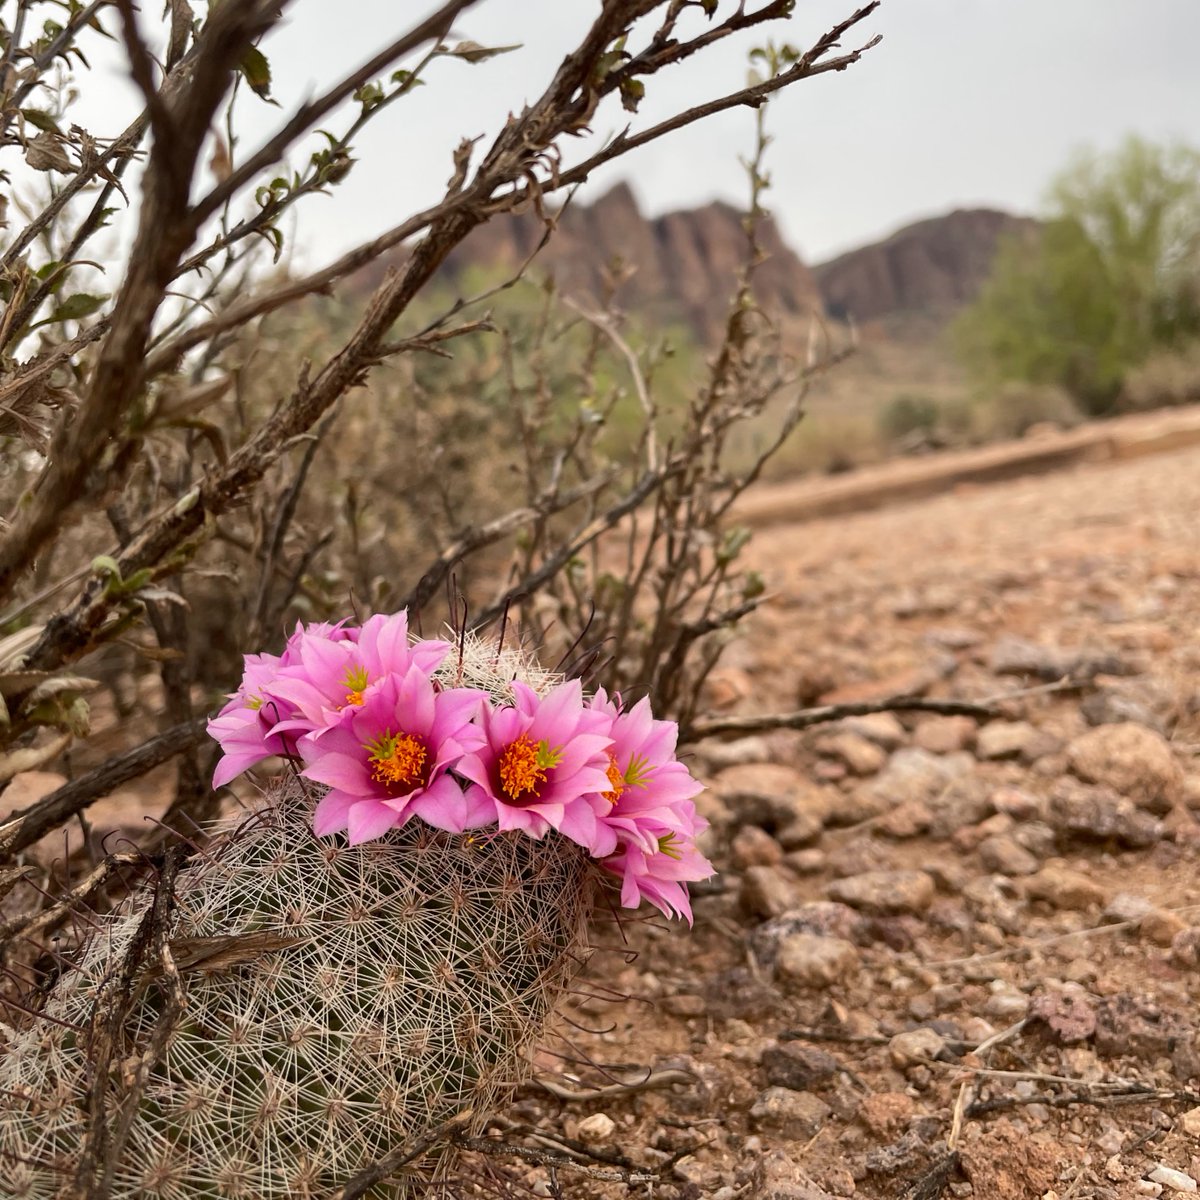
[921,901]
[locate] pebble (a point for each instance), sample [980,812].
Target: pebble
[766,892]
[1169,1177]
[801,1114]
[1098,814]
[884,729]
[914,1046]
[597,1128]
[944,735]
[1161,927]
[755,847]
[810,960]
[906,820]
[1018,804]
[1064,888]
[882,893]
[1125,906]
[798,1067]
[1132,760]
[1005,739]
[1006,856]
[858,755]
[1189,1122]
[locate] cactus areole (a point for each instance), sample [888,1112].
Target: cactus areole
[374,953]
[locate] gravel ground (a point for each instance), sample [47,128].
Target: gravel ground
[943,957]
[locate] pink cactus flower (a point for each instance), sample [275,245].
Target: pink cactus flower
[388,759]
[659,877]
[324,676]
[544,766]
[650,791]
[244,726]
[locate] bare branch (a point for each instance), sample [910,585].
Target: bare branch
[23,828]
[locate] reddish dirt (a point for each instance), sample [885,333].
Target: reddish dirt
[1037,954]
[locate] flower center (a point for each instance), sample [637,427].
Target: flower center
[521,768]
[617,778]
[355,682]
[397,760]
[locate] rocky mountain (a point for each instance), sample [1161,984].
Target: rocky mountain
[932,267]
[681,266]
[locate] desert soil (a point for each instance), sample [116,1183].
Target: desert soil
[942,957]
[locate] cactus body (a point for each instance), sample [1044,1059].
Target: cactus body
[420,971]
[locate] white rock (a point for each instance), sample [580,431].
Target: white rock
[596,1128]
[1177,1181]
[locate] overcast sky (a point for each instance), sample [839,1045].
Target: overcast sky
[964,103]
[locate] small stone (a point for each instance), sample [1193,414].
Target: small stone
[777,1177]
[1170,1178]
[1005,856]
[910,774]
[820,917]
[886,1113]
[766,794]
[1018,804]
[1064,888]
[797,1067]
[884,729]
[858,755]
[883,893]
[1132,760]
[1108,706]
[915,1047]
[596,1129]
[1161,927]
[1098,814]
[766,892]
[1189,1122]
[717,755]
[755,847]
[801,1114]
[1125,907]
[802,829]
[685,1004]
[1137,1026]
[810,861]
[1017,656]
[1069,1013]
[1004,739]
[907,820]
[1185,948]
[809,960]
[944,735]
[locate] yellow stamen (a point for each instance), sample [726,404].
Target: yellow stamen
[356,681]
[353,698]
[617,778]
[397,759]
[520,768]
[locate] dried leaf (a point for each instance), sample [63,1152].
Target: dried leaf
[473,52]
[228,950]
[45,153]
[30,758]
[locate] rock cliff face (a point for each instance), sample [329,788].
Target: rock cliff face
[683,265]
[934,266]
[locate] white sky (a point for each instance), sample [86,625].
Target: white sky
[966,102]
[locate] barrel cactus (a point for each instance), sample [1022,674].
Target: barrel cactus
[374,953]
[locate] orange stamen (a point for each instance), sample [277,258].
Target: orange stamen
[616,778]
[520,769]
[397,759]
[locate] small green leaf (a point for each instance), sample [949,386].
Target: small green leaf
[632,92]
[41,120]
[78,306]
[256,70]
